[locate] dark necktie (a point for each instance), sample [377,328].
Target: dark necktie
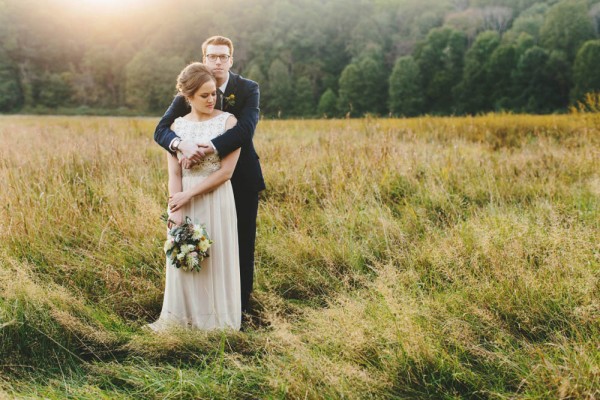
[219,104]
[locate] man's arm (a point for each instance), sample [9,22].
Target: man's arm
[163,135]
[243,132]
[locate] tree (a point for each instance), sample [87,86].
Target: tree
[281,93]
[474,90]
[529,21]
[567,27]
[150,80]
[101,78]
[352,87]
[365,37]
[560,80]
[304,104]
[406,93]
[363,87]
[500,68]
[328,104]
[440,59]
[496,18]
[11,94]
[539,89]
[585,70]
[595,15]
[469,21]
[54,90]
[255,74]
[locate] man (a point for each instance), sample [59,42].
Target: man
[240,97]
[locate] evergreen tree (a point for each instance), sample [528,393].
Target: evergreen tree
[406,93]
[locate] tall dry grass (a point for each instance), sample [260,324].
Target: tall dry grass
[416,258]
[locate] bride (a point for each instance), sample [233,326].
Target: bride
[209,299]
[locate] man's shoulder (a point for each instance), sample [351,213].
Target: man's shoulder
[245,82]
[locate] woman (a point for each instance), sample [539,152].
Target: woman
[209,299]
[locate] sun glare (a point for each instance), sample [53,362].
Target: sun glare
[108,5]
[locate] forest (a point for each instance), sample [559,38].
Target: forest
[312,58]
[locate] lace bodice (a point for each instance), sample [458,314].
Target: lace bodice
[201,131]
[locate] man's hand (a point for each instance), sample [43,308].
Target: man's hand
[202,150]
[191,150]
[206,148]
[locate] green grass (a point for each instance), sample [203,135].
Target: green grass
[411,258]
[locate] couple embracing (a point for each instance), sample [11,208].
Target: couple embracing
[214,179]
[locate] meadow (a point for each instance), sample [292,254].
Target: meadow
[421,258]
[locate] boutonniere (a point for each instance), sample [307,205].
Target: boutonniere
[230,100]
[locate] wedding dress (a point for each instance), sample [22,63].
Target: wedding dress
[209,299]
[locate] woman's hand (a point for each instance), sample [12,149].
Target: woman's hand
[178,200]
[175,219]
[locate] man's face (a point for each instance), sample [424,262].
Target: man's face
[218,60]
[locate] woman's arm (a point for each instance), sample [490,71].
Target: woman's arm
[175,186]
[214,180]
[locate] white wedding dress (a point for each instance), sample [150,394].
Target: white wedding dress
[209,299]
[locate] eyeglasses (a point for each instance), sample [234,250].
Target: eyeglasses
[214,57]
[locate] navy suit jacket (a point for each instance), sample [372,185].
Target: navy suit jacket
[247,175]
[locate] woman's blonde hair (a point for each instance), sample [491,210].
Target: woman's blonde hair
[192,78]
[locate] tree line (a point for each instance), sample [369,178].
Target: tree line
[312,58]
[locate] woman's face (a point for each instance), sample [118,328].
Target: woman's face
[203,101]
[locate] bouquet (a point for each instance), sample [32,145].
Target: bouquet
[187,245]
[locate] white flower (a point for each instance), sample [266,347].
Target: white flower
[192,260]
[197,232]
[180,256]
[186,248]
[169,244]
[204,244]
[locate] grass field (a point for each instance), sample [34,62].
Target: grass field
[415,258]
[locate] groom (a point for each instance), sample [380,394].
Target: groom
[240,97]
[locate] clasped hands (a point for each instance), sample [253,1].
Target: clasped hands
[193,153]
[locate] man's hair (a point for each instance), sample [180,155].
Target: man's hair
[192,78]
[217,41]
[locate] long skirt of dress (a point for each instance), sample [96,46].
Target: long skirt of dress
[209,299]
